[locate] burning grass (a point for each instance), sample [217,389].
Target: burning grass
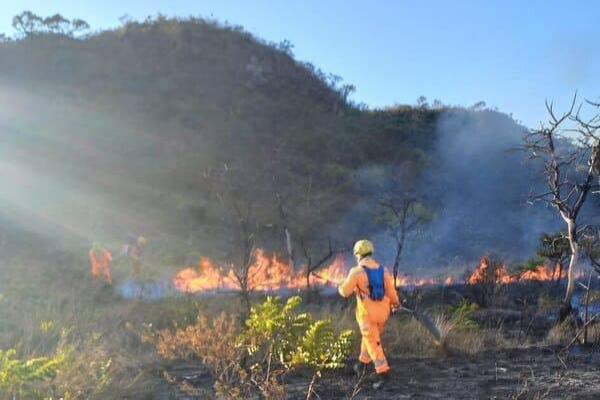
[268,273]
[491,271]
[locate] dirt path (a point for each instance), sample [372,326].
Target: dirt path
[530,373]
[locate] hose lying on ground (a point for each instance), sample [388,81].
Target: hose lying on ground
[427,323]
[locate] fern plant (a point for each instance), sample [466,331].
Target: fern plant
[279,336]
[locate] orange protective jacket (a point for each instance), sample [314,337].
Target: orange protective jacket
[357,283]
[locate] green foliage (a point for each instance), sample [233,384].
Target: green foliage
[554,247]
[277,330]
[321,349]
[530,265]
[71,372]
[251,102]
[276,326]
[462,315]
[18,377]
[277,339]
[28,24]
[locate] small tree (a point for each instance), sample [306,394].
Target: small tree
[296,215]
[555,248]
[57,24]
[236,191]
[278,336]
[78,26]
[275,340]
[403,216]
[312,263]
[569,166]
[27,23]
[591,245]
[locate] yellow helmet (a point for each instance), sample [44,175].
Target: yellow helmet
[363,248]
[142,241]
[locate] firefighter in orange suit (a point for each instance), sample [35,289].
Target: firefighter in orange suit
[376,297]
[100,261]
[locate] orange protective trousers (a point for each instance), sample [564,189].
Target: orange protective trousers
[370,346]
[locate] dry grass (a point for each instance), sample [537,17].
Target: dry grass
[404,336]
[45,308]
[561,334]
[407,337]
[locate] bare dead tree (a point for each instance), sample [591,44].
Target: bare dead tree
[313,264]
[569,170]
[292,212]
[590,242]
[274,167]
[289,247]
[225,184]
[407,216]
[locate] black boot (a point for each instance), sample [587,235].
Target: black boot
[359,369]
[381,381]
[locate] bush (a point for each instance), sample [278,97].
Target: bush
[86,372]
[277,332]
[463,313]
[20,377]
[212,342]
[73,371]
[275,340]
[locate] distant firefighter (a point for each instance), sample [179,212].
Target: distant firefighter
[100,262]
[134,250]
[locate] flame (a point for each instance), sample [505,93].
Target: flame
[541,273]
[482,274]
[268,273]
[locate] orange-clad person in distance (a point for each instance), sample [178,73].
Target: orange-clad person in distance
[100,262]
[375,297]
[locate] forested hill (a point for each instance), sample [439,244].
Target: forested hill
[182,129]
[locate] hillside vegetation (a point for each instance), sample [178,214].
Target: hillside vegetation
[167,127]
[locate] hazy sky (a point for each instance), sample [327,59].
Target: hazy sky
[511,54]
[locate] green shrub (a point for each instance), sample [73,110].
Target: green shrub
[19,377]
[276,339]
[277,333]
[462,315]
[274,329]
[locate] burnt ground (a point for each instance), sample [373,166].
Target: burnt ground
[525,373]
[534,372]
